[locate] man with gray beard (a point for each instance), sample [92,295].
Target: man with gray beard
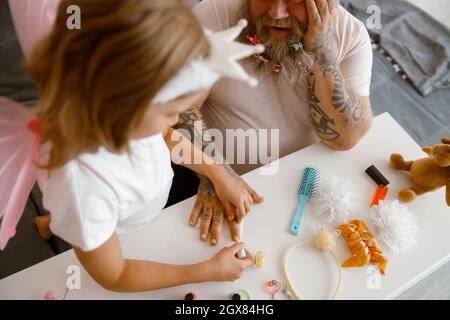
[314,85]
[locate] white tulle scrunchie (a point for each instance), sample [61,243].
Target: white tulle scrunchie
[334,200]
[396,225]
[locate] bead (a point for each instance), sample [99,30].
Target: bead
[236,296]
[242,254]
[190,296]
[260,259]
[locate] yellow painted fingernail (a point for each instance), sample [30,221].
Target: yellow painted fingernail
[203,236]
[230,217]
[213,242]
[191,223]
[236,239]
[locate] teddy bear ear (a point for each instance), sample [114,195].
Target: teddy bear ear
[446,140]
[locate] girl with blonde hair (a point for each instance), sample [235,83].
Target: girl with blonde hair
[109,94]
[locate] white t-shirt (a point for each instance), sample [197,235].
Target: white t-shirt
[278,103]
[98,194]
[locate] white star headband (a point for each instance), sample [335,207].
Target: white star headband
[202,73]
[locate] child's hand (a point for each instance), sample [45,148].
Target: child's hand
[226,266]
[236,196]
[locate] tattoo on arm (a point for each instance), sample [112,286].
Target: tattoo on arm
[343,98]
[321,121]
[199,137]
[187,123]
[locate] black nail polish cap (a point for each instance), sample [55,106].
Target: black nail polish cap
[377,176]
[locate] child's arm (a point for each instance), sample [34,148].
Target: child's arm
[234,195]
[186,154]
[108,267]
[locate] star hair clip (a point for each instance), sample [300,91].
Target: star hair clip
[277,68]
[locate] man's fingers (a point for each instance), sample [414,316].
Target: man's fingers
[195,213]
[205,222]
[313,13]
[322,7]
[230,211]
[216,227]
[331,5]
[235,230]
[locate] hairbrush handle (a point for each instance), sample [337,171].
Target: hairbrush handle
[295,225]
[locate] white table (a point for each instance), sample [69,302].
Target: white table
[169,239]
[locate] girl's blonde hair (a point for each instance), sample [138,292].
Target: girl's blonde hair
[96,83]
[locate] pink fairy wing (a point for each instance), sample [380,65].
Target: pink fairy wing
[33,19]
[19,151]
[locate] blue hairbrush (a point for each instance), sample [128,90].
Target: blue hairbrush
[305,193]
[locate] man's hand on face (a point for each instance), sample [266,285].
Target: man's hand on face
[322,16]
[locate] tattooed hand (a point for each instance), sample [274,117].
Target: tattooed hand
[211,211]
[209,206]
[322,15]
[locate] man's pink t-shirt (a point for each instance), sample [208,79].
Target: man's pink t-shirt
[278,103]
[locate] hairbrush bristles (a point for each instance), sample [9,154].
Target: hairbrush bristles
[305,193]
[309,182]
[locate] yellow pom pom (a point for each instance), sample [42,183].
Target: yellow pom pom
[325,241]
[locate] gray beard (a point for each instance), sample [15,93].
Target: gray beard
[296,64]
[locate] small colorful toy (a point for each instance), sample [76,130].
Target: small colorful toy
[273,287]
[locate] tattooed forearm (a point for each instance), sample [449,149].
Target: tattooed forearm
[339,116]
[331,115]
[343,98]
[187,124]
[323,124]
[194,128]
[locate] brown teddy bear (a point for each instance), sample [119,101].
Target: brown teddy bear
[427,174]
